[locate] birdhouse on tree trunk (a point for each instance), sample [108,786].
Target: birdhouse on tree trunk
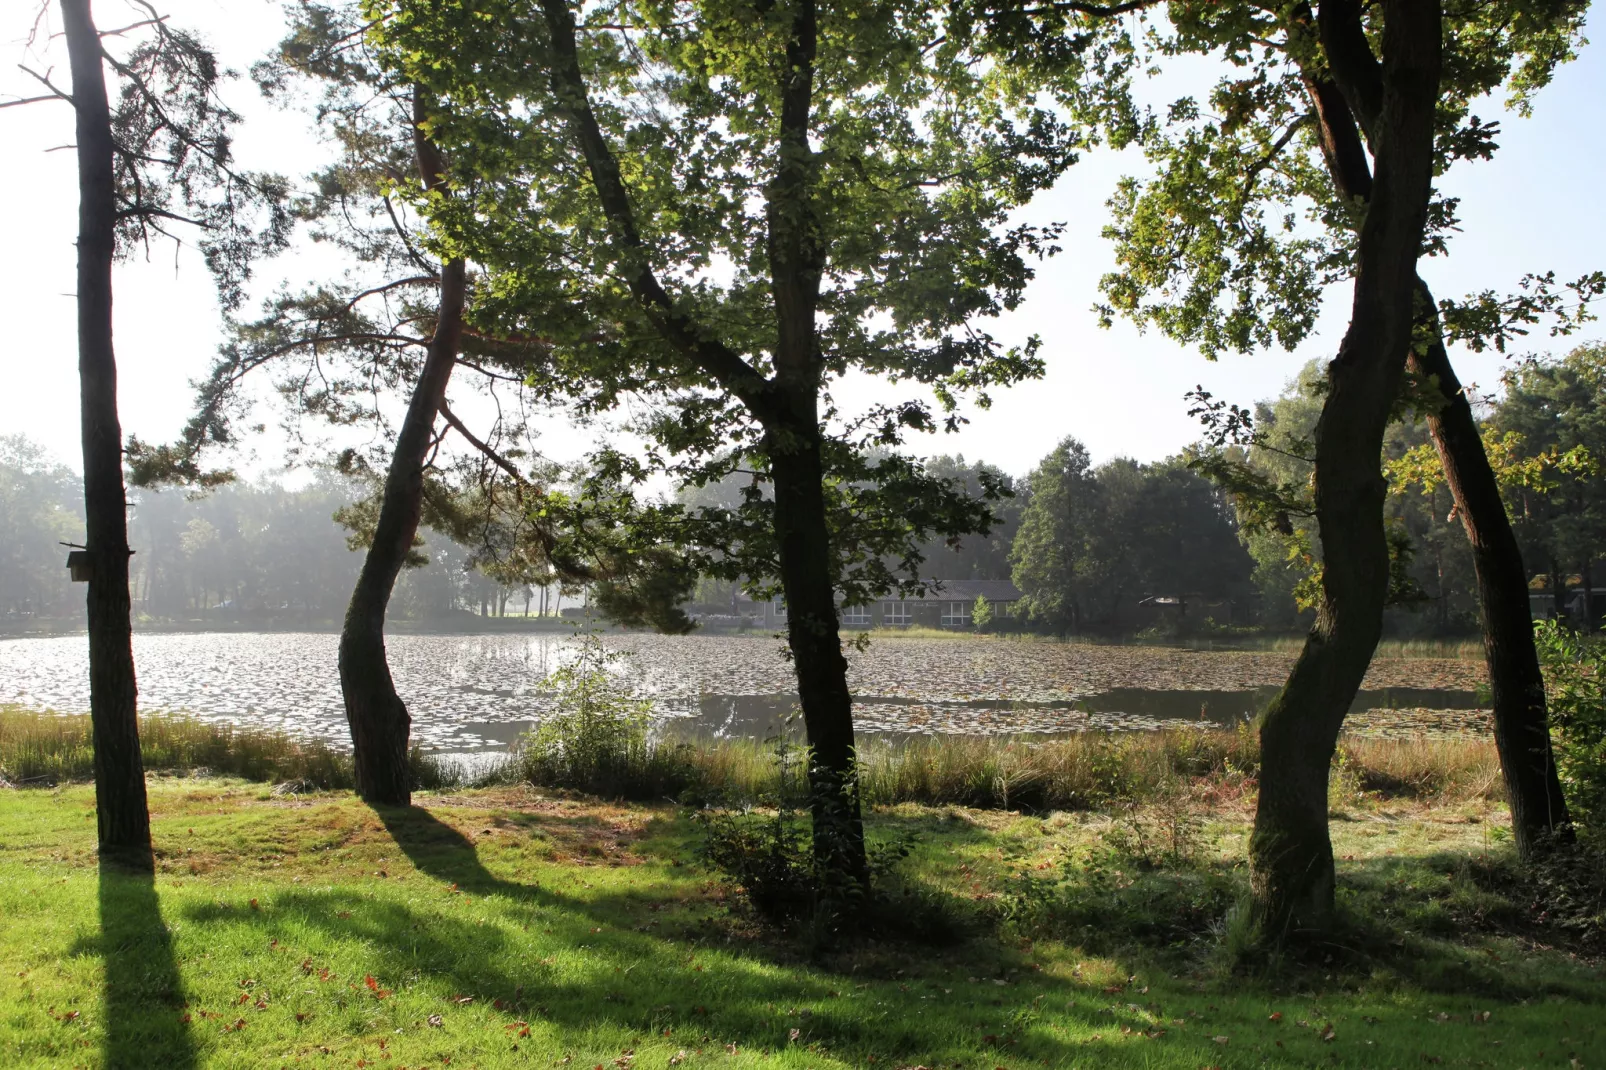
[80,565]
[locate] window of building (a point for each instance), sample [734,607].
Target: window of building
[856,616]
[956,614]
[778,609]
[896,614]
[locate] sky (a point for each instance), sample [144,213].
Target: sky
[1536,207]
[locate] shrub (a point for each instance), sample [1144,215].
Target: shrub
[981,615]
[767,857]
[599,741]
[1575,671]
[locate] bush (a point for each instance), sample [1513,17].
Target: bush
[1575,671]
[767,857]
[599,740]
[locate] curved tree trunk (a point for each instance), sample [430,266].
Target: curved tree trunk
[1522,733]
[1291,857]
[121,816]
[1521,725]
[378,717]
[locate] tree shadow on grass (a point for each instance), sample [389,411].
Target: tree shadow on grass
[144,996]
[611,973]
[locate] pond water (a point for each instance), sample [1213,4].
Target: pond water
[478,692]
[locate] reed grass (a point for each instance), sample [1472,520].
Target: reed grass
[1092,770]
[42,748]
[1087,771]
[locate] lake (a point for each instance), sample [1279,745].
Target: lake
[472,693]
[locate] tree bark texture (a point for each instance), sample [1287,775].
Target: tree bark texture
[1291,858]
[787,407]
[1522,732]
[122,819]
[380,725]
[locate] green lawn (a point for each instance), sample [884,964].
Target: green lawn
[500,929]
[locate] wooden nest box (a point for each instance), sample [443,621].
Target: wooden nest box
[80,565]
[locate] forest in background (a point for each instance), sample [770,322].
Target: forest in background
[1085,543]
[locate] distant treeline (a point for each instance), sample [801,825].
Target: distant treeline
[243,553]
[1110,549]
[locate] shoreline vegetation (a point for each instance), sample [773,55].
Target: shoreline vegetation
[1081,772]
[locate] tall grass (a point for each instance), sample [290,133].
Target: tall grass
[1086,771]
[47,749]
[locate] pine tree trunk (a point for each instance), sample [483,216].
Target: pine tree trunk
[822,670]
[378,717]
[122,818]
[1521,723]
[1291,857]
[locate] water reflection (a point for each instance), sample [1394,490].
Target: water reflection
[477,693]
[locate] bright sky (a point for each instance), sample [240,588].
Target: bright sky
[1536,207]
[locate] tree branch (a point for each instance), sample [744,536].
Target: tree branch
[33,100]
[687,336]
[496,458]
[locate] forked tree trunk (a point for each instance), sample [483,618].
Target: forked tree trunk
[380,725]
[1521,721]
[121,817]
[822,670]
[1522,733]
[1291,857]
[787,407]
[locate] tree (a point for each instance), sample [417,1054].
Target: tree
[974,556]
[40,508]
[408,295]
[1050,549]
[159,158]
[844,164]
[1095,541]
[1556,409]
[1212,250]
[1291,857]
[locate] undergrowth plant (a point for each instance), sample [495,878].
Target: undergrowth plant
[765,853]
[1575,675]
[600,740]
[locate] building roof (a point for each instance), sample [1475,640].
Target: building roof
[970,590]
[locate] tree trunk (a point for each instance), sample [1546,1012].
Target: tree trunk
[1291,858]
[122,819]
[822,671]
[1521,722]
[1588,584]
[378,718]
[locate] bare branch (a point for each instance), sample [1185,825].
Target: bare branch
[33,100]
[44,79]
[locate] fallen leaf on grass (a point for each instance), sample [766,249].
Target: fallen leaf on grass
[1328,1033]
[434,1021]
[373,986]
[1221,1040]
[1275,1016]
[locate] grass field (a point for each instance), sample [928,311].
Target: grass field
[499,928]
